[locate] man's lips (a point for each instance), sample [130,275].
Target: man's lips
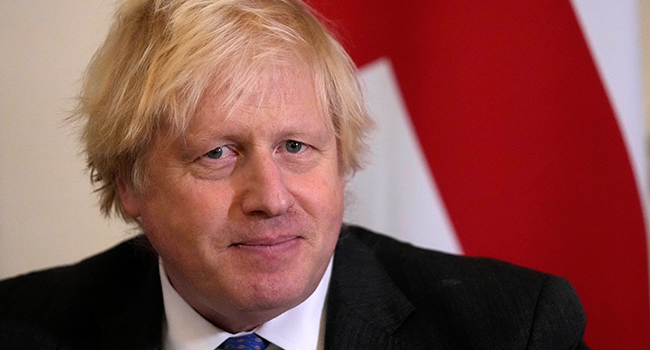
[268,242]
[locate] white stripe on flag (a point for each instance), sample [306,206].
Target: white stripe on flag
[395,193]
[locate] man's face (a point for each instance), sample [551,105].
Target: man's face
[245,210]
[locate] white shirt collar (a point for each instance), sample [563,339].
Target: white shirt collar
[302,327]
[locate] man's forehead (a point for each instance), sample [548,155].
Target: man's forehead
[275,87]
[272,84]
[283,94]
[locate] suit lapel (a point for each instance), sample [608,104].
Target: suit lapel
[364,306]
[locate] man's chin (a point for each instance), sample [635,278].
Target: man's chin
[269,297]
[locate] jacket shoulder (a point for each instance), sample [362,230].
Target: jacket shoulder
[55,285]
[403,259]
[479,301]
[44,306]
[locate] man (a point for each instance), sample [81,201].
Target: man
[226,130]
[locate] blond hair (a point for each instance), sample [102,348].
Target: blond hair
[160,58]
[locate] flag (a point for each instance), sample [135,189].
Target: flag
[510,129]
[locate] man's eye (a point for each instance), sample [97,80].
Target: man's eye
[217,152]
[294,146]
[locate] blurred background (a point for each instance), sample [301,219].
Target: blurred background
[49,216]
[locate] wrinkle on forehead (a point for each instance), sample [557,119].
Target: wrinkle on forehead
[273,87]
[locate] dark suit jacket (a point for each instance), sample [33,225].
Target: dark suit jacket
[383,295]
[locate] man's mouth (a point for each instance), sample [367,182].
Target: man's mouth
[269,245]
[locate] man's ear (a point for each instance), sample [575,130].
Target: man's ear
[129,198]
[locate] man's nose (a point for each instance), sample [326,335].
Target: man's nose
[265,190]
